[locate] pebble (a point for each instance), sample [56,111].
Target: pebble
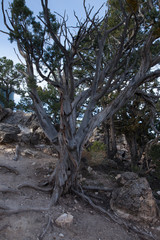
[61,235]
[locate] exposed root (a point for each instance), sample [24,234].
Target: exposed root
[87,199]
[97,188]
[26,185]
[45,229]
[3,207]
[4,189]
[11,169]
[145,235]
[4,210]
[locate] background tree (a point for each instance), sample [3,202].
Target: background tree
[61,58]
[10,80]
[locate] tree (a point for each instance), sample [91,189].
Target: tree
[10,79]
[83,73]
[134,121]
[50,101]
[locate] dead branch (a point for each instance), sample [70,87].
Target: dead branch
[26,185]
[45,229]
[11,169]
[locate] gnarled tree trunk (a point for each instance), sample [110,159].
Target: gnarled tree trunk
[66,171]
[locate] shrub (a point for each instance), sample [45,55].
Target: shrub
[97,147]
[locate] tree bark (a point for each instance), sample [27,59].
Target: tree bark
[66,171]
[110,139]
[131,140]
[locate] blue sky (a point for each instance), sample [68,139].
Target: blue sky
[7,49]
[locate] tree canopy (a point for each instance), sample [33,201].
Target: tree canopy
[101,55]
[10,80]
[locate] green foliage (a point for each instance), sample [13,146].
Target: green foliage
[10,80]
[50,101]
[155,153]
[97,147]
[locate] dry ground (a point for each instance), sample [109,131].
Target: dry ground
[31,225]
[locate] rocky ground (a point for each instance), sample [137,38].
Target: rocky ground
[27,217]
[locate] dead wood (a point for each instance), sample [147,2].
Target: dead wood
[45,229]
[15,158]
[9,168]
[26,185]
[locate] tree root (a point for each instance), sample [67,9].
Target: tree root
[97,188]
[45,229]
[26,185]
[11,169]
[146,235]
[5,210]
[4,189]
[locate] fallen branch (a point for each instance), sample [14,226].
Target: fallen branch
[26,185]
[45,229]
[11,169]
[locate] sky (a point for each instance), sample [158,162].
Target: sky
[59,6]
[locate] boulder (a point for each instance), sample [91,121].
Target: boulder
[8,133]
[4,112]
[133,199]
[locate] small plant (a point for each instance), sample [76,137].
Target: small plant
[97,147]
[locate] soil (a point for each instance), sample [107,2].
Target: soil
[32,167]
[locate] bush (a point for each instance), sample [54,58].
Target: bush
[97,147]
[155,152]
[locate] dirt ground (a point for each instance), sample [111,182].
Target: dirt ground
[32,167]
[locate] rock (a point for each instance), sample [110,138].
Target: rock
[124,177]
[29,153]
[8,133]
[64,220]
[134,199]
[4,112]
[61,235]
[111,164]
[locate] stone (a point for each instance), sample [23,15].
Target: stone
[8,133]
[134,200]
[61,235]
[111,164]
[29,153]
[64,220]
[4,112]
[124,177]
